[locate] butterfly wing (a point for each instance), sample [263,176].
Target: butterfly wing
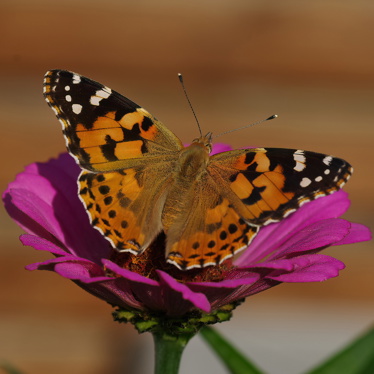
[242,191]
[126,154]
[126,205]
[104,130]
[207,229]
[266,185]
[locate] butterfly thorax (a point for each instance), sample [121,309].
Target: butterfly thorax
[190,170]
[193,160]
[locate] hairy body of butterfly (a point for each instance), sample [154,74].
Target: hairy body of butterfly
[138,179]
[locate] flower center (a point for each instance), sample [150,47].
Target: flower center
[153,258]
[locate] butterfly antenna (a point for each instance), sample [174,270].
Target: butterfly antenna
[245,127]
[189,102]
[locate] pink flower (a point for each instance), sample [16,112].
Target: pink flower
[43,201]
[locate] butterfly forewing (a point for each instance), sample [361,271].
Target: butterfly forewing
[104,130]
[272,183]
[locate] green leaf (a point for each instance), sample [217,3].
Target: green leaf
[235,361]
[356,358]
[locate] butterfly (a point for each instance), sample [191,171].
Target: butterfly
[139,180]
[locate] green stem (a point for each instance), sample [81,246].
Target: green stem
[168,350]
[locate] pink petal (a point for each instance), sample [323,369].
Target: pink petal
[86,272]
[147,291]
[127,274]
[310,268]
[41,244]
[317,235]
[174,293]
[220,147]
[49,264]
[33,214]
[274,235]
[44,201]
[357,233]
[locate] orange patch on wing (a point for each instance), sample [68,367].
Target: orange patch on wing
[273,195]
[263,162]
[96,156]
[112,217]
[242,186]
[118,233]
[130,149]
[255,210]
[150,134]
[105,122]
[260,158]
[240,163]
[215,215]
[130,119]
[96,137]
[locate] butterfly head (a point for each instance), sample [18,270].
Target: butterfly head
[205,141]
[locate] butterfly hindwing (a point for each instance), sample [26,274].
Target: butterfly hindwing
[207,230]
[126,205]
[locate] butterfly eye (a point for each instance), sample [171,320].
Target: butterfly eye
[209,147]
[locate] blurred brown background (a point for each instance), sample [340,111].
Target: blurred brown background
[311,62]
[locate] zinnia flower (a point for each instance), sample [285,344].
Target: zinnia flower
[43,201]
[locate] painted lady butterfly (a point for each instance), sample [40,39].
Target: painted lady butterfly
[138,179]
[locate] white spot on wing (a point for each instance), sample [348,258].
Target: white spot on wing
[55,110]
[94,100]
[104,93]
[327,160]
[304,201]
[305,182]
[300,153]
[76,79]
[68,98]
[99,95]
[318,179]
[299,166]
[327,171]
[299,157]
[77,108]
[67,88]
